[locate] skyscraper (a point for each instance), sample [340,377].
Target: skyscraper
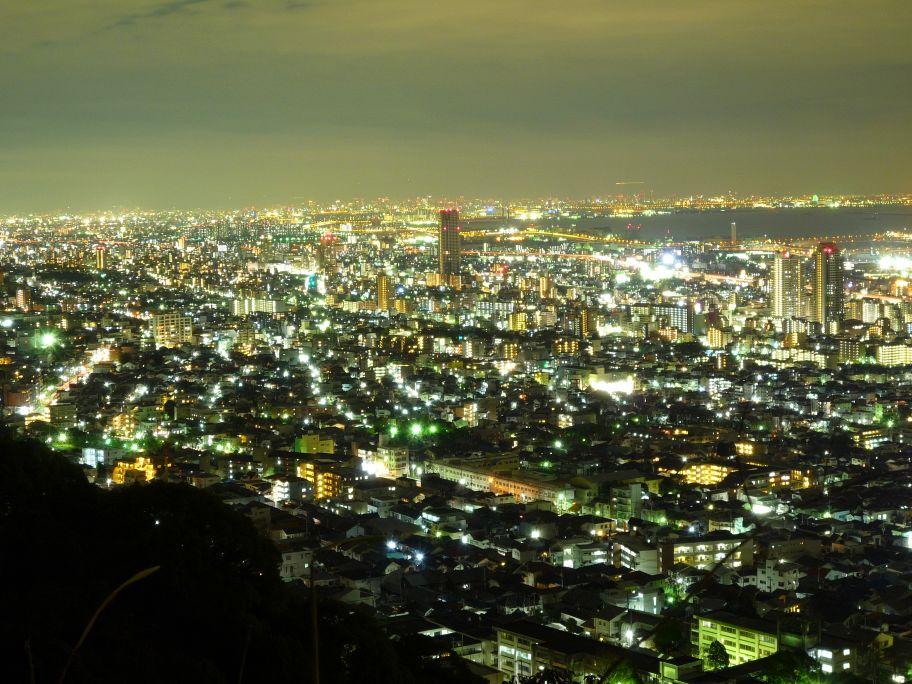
[24,299]
[734,233]
[680,316]
[101,258]
[449,242]
[382,292]
[172,329]
[544,287]
[828,284]
[585,323]
[787,285]
[327,253]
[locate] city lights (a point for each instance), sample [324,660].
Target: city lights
[456,342]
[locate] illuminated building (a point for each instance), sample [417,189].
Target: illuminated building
[288,488]
[516,322]
[63,415]
[545,318]
[245,339]
[467,412]
[565,346]
[719,338]
[382,292]
[509,350]
[327,483]
[545,287]
[706,473]
[893,354]
[24,299]
[526,648]
[636,553]
[394,461]
[680,316]
[101,258]
[871,438]
[172,329]
[128,472]
[327,253]
[749,449]
[787,285]
[449,243]
[839,656]
[705,552]
[612,383]
[744,639]
[585,323]
[314,443]
[828,284]
[523,487]
[123,424]
[251,305]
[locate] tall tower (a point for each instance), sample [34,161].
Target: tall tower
[734,233]
[382,291]
[328,254]
[449,242]
[24,299]
[787,285]
[585,323]
[544,287]
[101,258]
[828,284]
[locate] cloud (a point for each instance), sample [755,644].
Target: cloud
[161,10]
[329,93]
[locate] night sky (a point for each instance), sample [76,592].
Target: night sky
[219,103]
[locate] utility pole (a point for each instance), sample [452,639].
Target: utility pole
[313,625]
[315,645]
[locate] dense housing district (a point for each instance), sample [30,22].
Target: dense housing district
[547,448]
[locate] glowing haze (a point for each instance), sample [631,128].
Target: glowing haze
[214,103]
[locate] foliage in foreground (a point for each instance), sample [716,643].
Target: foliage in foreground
[214,611]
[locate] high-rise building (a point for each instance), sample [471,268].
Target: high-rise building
[101,258]
[734,233]
[585,323]
[544,287]
[383,292]
[787,285]
[828,284]
[172,329]
[328,253]
[23,299]
[680,316]
[449,242]
[516,321]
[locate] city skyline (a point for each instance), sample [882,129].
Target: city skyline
[390,341]
[588,439]
[230,103]
[614,197]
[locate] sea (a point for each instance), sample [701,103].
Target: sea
[775,224]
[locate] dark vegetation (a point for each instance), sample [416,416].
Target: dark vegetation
[214,611]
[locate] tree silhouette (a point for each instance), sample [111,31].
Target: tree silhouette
[215,610]
[716,656]
[786,667]
[548,676]
[668,636]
